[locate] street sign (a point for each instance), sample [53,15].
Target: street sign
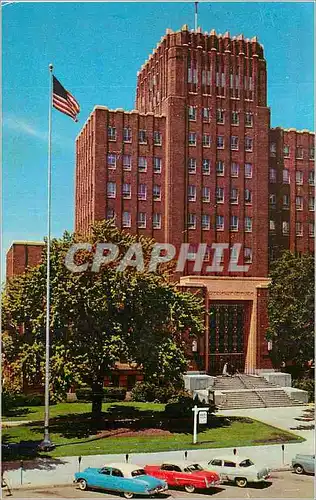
[202,417]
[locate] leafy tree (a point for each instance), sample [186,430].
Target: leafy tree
[96,318]
[291,309]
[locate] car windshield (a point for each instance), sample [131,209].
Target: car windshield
[246,463]
[193,467]
[138,472]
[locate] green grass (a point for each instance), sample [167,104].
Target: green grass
[36,413]
[239,432]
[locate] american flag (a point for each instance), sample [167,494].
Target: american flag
[64,101]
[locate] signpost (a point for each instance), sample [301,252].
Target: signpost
[202,413]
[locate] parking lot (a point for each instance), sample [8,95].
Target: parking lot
[282,485]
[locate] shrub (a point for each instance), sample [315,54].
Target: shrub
[109,394]
[181,407]
[146,392]
[306,384]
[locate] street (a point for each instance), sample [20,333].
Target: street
[282,485]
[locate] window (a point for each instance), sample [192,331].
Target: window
[156,221]
[273,149]
[234,169]
[219,195]
[248,170]
[299,152]
[192,75]
[192,166]
[220,142]
[234,195]
[248,224]
[272,200]
[234,223]
[311,229]
[299,177]
[206,114]
[206,167]
[206,77]
[286,151]
[127,134]
[286,176]
[247,255]
[220,168]
[286,201]
[311,204]
[311,178]
[272,226]
[206,140]
[229,464]
[299,203]
[191,221]
[126,190]
[112,161]
[110,214]
[106,471]
[219,222]
[192,139]
[142,191]
[127,162]
[235,118]
[299,229]
[206,194]
[191,193]
[157,165]
[156,192]
[191,252]
[141,472]
[246,463]
[111,190]
[272,175]
[192,113]
[248,119]
[312,153]
[206,221]
[157,138]
[126,219]
[117,473]
[248,143]
[216,462]
[234,142]
[112,133]
[142,137]
[248,196]
[220,116]
[141,221]
[285,227]
[142,164]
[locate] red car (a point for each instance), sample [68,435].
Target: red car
[187,474]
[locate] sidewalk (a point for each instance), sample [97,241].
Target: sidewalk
[41,472]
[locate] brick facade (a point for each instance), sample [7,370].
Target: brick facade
[23,254]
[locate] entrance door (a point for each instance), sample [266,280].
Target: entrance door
[226,337]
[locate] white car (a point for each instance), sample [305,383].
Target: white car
[240,470]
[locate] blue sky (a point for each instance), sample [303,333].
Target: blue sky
[96,49]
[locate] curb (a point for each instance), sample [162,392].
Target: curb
[282,469]
[32,486]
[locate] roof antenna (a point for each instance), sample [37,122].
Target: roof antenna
[196,16]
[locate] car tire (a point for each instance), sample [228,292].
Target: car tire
[128,494]
[189,488]
[82,483]
[298,469]
[241,482]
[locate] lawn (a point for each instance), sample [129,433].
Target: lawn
[145,428]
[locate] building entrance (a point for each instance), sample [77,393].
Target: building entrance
[226,337]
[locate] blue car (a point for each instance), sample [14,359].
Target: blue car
[123,478]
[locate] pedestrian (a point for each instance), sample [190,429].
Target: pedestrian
[5,484]
[225,370]
[232,370]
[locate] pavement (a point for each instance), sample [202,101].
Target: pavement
[281,485]
[50,471]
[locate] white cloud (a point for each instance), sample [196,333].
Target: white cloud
[20,125]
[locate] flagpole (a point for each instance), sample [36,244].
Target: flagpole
[195,16]
[46,443]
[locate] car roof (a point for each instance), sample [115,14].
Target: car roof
[180,463]
[124,467]
[231,458]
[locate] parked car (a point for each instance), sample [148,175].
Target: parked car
[125,478]
[187,474]
[304,463]
[240,470]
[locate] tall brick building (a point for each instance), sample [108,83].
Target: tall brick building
[197,162]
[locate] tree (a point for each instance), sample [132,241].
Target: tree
[291,309]
[98,317]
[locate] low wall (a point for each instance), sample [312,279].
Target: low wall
[297,394]
[279,378]
[197,382]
